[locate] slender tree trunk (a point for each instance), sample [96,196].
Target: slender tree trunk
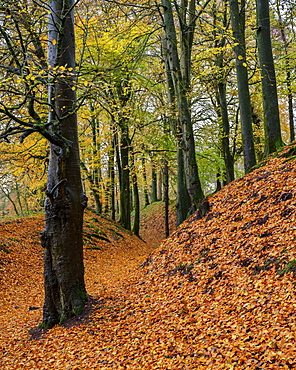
[166,197]
[8,196]
[93,188]
[125,203]
[238,27]
[112,178]
[272,128]
[65,293]
[225,131]
[136,226]
[146,192]
[221,97]
[288,72]
[154,183]
[188,146]
[160,185]
[183,199]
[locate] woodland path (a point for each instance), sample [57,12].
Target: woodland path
[106,263]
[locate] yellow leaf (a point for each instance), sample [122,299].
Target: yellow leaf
[245,64]
[54,42]
[240,57]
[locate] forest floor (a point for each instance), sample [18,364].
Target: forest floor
[219,293]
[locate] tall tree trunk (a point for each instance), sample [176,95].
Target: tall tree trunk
[238,29]
[288,72]
[183,199]
[65,293]
[224,131]
[153,183]
[146,192]
[188,146]
[136,226]
[166,196]
[125,203]
[112,178]
[221,97]
[272,128]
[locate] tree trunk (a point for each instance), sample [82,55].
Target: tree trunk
[154,183]
[93,188]
[166,197]
[136,226]
[183,199]
[224,131]
[272,128]
[288,72]
[238,27]
[112,178]
[125,203]
[188,146]
[65,293]
[146,192]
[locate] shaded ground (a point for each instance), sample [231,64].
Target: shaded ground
[218,294]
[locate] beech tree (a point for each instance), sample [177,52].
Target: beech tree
[237,11]
[272,127]
[180,75]
[65,293]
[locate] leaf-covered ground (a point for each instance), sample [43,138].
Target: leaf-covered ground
[218,294]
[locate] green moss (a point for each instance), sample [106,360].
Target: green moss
[291,267]
[79,302]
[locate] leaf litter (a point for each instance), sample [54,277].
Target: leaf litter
[219,293]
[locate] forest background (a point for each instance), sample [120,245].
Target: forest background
[128,106]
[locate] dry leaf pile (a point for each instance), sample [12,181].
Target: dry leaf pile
[218,294]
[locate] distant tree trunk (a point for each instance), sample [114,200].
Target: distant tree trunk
[160,185]
[221,97]
[93,188]
[166,197]
[136,226]
[8,196]
[188,146]
[112,178]
[272,128]
[183,200]
[96,164]
[225,131]
[154,183]
[238,29]
[65,293]
[125,203]
[288,72]
[146,192]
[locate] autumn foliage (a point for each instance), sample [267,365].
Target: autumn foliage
[218,294]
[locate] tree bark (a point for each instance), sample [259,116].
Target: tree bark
[166,197]
[125,203]
[183,199]
[153,182]
[272,128]
[288,72]
[238,29]
[146,192]
[65,293]
[136,226]
[188,146]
